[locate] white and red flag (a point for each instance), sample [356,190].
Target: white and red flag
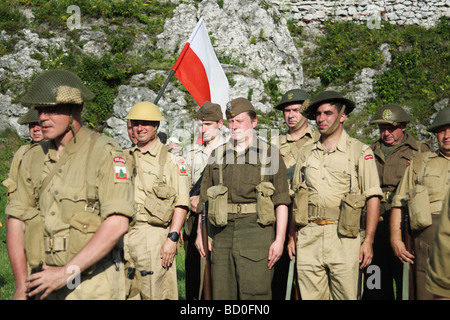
[199,70]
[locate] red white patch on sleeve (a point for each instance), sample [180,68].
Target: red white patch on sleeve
[119,159]
[121,173]
[368,157]
[408,164]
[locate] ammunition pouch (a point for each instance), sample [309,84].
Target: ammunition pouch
[264,204]
[34,237]
[300,205]
[350,216]
[217,205]
[419,208]
[160,205]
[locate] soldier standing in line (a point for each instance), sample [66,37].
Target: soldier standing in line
[334,179]
[73,201]
[392,152]
[162,200]
[289,143]
[246,189]
[36,136]
[210,119]
[422,191]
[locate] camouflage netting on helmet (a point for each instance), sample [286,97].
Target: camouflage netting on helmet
[56,87]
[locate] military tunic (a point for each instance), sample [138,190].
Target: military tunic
[11,182]
[66,195]
[144,241]
[434,174]
[390,169]
[240,249]
[320,248]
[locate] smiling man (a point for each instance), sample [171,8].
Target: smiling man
[334,178]
[162,199]
[422,192]
[393,151]
[70,210]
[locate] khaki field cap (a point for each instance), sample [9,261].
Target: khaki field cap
[328,97]
[441,119]
[237,106]
[391,114]
[30,117]
[145,111]
[209,112]
[294,96]
[56,87]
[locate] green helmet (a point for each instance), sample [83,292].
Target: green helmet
[145,111]
[390,114]
[30,117]
[291,97]
[441,119]
[56,87]
[328,96]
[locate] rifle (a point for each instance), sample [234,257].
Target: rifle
[408,283]
[207,274]
[362,233]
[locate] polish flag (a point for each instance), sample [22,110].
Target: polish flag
[199,70]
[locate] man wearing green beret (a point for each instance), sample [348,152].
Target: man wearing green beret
[210,122]
[393,151]
[334,179]
[247,194]
[422,192]
[298,134]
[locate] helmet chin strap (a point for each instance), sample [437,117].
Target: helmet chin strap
[299,124]
[71,127]
[335,123]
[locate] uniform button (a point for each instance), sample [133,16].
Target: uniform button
[84,226]
[59,170]
[52,213]
[75,197]
[56,192]
[323,178]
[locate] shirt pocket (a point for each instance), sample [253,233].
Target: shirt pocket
[71,199]
[433,179]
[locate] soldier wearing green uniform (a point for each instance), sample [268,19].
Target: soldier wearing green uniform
[73,201]
[334,179]
[245,187]
[422,192]
[210,121]
[289,143]
[161,193]
[392,151]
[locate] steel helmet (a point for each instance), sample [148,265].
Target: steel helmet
[324,97]
[291,97]
[391,114]
[441,119]
[145,111]
[56,87]
[31,116]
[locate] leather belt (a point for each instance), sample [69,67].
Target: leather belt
[323,222]
[241,208]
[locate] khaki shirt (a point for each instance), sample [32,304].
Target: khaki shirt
[242,173]
[175,174]
[66,193]
[327,174]
[436,177]
[437,280]
[11,182]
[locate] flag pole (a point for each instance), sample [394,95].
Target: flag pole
[163,88]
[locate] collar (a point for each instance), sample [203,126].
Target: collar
[308,131]
[341,145]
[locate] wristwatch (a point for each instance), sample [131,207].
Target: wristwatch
[174,236]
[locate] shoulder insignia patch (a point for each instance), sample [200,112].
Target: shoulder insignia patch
[368,157]
[119,159]
[121,172]
[182,168]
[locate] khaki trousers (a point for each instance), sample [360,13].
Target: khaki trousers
[143,246]
[327,263]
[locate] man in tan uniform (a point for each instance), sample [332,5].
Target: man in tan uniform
[437,279]
[422,191]
[36,136]
[73,201]
[392,151]
[335,177]
[162,199]
[289,143]
[246,190]
[210,119]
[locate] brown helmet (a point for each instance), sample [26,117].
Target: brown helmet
[391,114]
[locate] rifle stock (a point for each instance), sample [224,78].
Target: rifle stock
[207,294]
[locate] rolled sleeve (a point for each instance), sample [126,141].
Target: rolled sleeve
[368,175]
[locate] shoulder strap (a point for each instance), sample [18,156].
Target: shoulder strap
[354,185]
[91,190]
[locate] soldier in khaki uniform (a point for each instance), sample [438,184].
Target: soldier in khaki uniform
[246,190]
[289,143]
[36,136]
[73,201]
[162,199]
[437,279]
[392,151]
[335,177]
[422,192]
[210,119]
